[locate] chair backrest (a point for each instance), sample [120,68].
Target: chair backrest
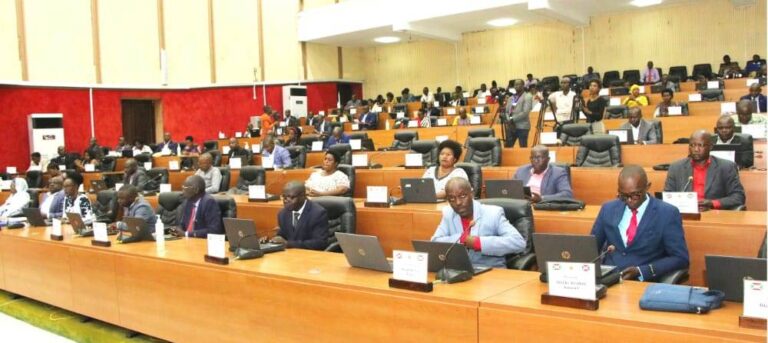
[143,158]
[747,150]
[34,197]
[158,175]
[632,76]
[704,69]
[350,172]
[520,215]
[762,252]
[680,71]
[485,151]
[656,125]
[480,132]
[108,164]
[34,179]
[169,208]
[225,178]
[404,139]
[298,156]
[216,157]
[599,151]
[571,134]
[712,95]
[427,149]
[306,140]
[210,145]
[610,76]
[227,206]
[475,175]
[616,112]
[105,206]
[358,135]
[345,152]
[341,215]
[250,175]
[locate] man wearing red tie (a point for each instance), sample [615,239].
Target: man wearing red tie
[647,233]
[650,74]
[201,214]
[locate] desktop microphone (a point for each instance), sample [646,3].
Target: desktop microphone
[247,253]
[370,160]
[609,249]
[453,275]
[146,182]
[690,178]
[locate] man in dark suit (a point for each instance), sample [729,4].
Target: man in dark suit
[647,233]
[642,130]
[290,120]
[236,151]
[134,176]
[167,144]
[94,149]
[725,135]
[546,180]
[63,158]
[302,223]
[368,119]
[755,96]
[716,181]
[201,214]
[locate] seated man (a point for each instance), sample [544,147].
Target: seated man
[134,205]
[642,131]
[647,254]
[463,119]
[122,145]
[134,176]
[75,202]
[63,158]
[200,215]
[353,102]
[301,223]
[337,136]
[744,114]
[715,181]
[368,119]
[662,109]
[546,180]
[728,69]
[483,229]
[725,135]
[236,151]
[94,149]
[279,156]
[37,163]
[635,98]
[52,203]
[210,174]
[167,144]
[289,120]
[756,97]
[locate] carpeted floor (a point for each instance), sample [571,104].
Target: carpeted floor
[65,323]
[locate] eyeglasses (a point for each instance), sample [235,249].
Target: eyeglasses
[634,195]
[460,197]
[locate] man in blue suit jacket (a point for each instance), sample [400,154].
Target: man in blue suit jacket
[201,214]
[483,229]
[337,136]
[647,233]
[368,119]
[553,184]
[302,223]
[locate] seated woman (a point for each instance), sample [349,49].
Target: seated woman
[86,159]
[18,200]
[662,109]
[635,98]
[328,180]
[74,202]
[450,151]
[294,134]
[190,148]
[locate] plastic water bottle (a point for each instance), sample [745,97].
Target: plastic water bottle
[159,234]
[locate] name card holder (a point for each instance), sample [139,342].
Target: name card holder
[100,235]
[754,311]
[581,304]
[56,237]
[257,193]
[106,244]
[411,286]
[691,216]
[571,285]
[216,252]
[217,260]
[409,271]
[377,196]
[56,233]
[752,323]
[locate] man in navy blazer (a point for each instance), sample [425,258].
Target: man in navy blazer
[546,180]
[302,223]
[368,119]
[647,233]
[201,214]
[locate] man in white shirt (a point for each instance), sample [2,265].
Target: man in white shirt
[37,162]
[562,101]
[210,174]
[426,96]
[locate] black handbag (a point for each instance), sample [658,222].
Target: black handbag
[559,204]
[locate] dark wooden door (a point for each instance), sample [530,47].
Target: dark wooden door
[138,120]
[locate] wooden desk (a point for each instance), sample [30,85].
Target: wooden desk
[518,315]
[174,295]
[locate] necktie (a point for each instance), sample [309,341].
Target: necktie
[632,229]
[191,224]
[295,218]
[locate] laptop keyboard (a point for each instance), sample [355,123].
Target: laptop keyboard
[604,270]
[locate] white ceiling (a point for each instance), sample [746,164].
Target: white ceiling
[358,22]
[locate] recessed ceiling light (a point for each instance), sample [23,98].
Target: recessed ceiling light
[387,39]
[644,3]
[501,22]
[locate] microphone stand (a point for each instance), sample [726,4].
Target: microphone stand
[540,120]
[503,122]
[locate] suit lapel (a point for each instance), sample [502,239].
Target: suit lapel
[615,220]
[545,180]
[648,219]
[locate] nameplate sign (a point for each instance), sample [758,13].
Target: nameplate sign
[756,299]
[258,192]
[751,82]
[165,188]
[216,246]
[450,111]
[548,138]
[442,122]
[355,127]
[729,155]
[10,170]
[235,163]
[757,131]
[222,135]
[622,134]
[413,160]
[173,165]
[238,134]
[480,109]
[604,92]
[686,202]
[695,97]
[727,107]
[256,148]
[100,236]
[572,280]
[553,156]
[147,165]
[614,102]
[400,115]
[413,123]
[713,84]
[359,160]
[317,146]
[409,266]
[440,139]
[481,101]
[474,120]
[377,194]
[352,111]
[267,163]
[674,110]
[56,228]
[90,168]
[225,150]
[355,144]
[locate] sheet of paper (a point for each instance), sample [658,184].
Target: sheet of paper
[100,232]
[572,280]
[257,192]
[165,188]
[409,266]
[360,160]
[377,194]
[686,202]
[216,246]
[413,160]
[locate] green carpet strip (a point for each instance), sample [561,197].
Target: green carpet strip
[64,323]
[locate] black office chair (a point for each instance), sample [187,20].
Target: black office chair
[215,157]
[158,175]
[403,140]
[341,217]
[34,197]
[298,156]
[227,206]
[680,71]
[169,208]
[675,277]
[481,132]
[428,151]
[710,95]
[704,69]
[616,112]
[657,127]
[210,145]
[34,179]
[105,206]
[762,252]
[572,134]
[349,170]
[108,164]
[344,151]
[361,135]
[225,179]
[632,76]
[307,140]
[552,83]
[610,76]
[249,176]
[520,214]
[143,158]
[485,151]
[599,151]
[475,175]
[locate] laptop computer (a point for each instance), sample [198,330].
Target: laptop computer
[552,247]
[726,273]
[363,251]
[98,186]
[510,189]
[35,217]
[137,227]
[419,191]
[76,221]
[457,259]
[621,133]
[239,229]
[736,148]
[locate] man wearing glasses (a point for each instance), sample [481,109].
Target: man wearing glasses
[301,223]
[483,229]
[647,233]
[201,214]
[715,181]
[546,180]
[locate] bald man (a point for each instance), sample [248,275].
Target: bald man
[642,131]
[547,181]
[756,97]
[482,229]
[302,223]
[52,203]
[745,110]
[134,205]
[200,213]
[210,174]
[725,134]
[647,233]
[167,144]
[715,181]
[133,175]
